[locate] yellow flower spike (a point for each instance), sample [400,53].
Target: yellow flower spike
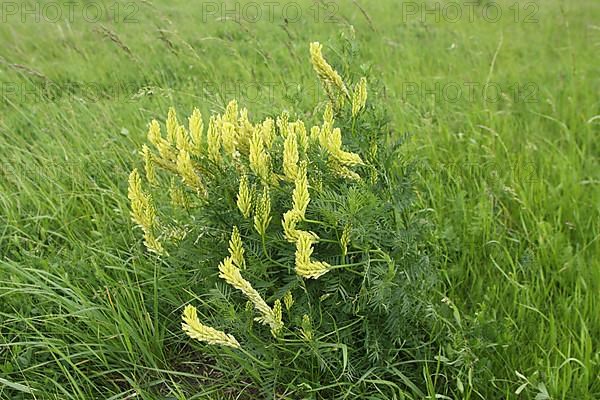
[236,249]
[283,123]
[305,267]
[348,159]
[290,156]
[327,129]
[182,139]
[315,133]
[306,328]
[288,300]
[231,274]
[192,326]
[172,125]
[328,118]
[258,157]
[343,157]
[245,130]
[334,142]
[149,165]
[332,81]
[228,136]
[301,134]
[267,130]
[345,172]
[289,222]
[262,216]
[304,248]
[231,112]
[345,238]
[278,316]
[185,168]
[196,127]
[163,146]
[154,135]
[143,212]
[244,198]
[359,98]
[300,195]
[213,140]
[313,270]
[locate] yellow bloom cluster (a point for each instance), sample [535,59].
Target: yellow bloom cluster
[330,138]
[258,157]
[185,167]
[305,267]
[359,98]
[306,328]
[143,212]
[269,316]
[332,81]
[262,215]
[236,249]
[196,330]
[196,126]
[290,156]
[244,197]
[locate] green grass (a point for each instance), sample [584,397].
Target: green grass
[512,186]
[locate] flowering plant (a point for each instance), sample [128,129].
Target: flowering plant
[307,232]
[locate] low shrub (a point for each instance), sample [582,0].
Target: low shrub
[311,264]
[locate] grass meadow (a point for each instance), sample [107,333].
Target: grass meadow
[500,115]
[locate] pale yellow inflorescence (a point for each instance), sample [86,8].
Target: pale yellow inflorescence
[332,81]
[330,139]
[143,212]
[183,140]
[149,165]
[213,140]
[288,300]
[301,135]
[359,98]
[172,125]
[231,112]
[262,214]
[269,316]
[192,326]
[305,266]
[258,157]
[196,126]
[290,156]
[245,131]
[236,249]
[283,124]
[185,167]
[236,135]
[345,239]
[306,328]
[228,137]
[244,197]
[300,195]
[267,131]
[164,147]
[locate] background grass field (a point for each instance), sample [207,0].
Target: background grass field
[502,121]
